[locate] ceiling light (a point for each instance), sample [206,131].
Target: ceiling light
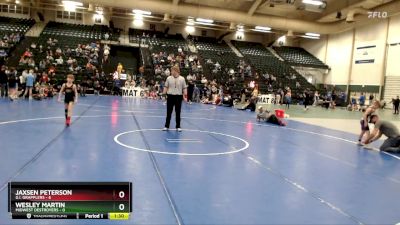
[138,17]
[189,29]
[142,12]
[138,22]
[240,28]
[204,20]
[98,16]
[313,34]
[313,2]
[262,28]
[190,22]
[71,5]
[263,31]
[309,37]
[203,23]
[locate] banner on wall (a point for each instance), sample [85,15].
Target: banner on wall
[135,92]
[266,99]
[365,54]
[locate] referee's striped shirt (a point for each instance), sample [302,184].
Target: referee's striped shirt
[175,85]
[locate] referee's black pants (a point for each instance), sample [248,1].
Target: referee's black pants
[174,101]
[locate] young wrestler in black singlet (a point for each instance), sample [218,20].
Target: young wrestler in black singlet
[71,97]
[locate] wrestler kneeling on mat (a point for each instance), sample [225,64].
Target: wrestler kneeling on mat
[392,143]
[269,117]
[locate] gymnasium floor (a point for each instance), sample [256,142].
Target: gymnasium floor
[224,168]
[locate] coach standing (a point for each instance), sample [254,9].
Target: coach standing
[176,90]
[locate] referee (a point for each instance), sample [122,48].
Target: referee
[175,88]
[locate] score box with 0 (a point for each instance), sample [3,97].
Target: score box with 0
[50,198]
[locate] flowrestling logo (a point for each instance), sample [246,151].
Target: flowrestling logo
[377,15]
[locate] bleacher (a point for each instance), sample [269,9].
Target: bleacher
[160,42]
[266,63]
[68,36]
[220,52]
[136,35]
[299,56]
[95,32]
[169,43]
[15,25]
[12,26]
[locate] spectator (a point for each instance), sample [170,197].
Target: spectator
[3,53]
[167,72]
[3,82]
[190,90]
[288,98]
[30,80]
[60,60]
[44,79]
[354,102]
[189,77]
[196,94]
[22,81]
[316,98]
[70,61]
[362,99]
[22,61]
[12,84]
[278,97]
[204,80]
[42,64]
[31,62]
[371,98]
[396,103]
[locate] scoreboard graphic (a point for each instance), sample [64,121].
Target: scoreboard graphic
[70,200]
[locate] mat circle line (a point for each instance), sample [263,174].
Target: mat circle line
[246,146]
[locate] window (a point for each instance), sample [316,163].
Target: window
[25,10]
[4,8]
[18,9]
[78,16]
[68,15]
[12,8]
